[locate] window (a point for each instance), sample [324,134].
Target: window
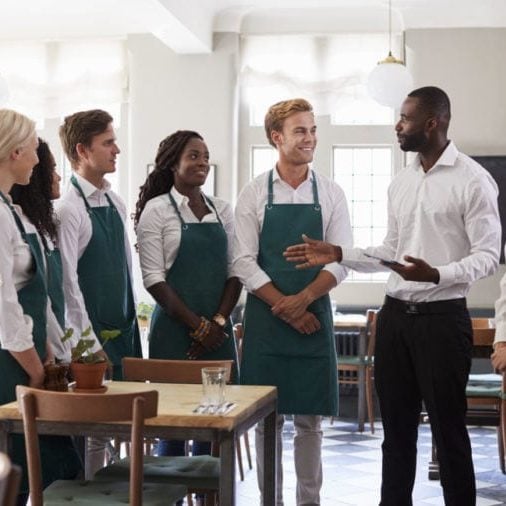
[364,173]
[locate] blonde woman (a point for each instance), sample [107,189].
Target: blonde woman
[23,296]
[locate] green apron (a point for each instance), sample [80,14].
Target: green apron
[54,273]
[302,367]
[198,276]
[105,283]
[57,453]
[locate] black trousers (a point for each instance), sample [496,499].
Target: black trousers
[423,353]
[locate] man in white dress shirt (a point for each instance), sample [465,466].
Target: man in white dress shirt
[288,328]
[444,230]
[93,243]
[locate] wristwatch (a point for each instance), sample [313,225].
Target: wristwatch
[219,319]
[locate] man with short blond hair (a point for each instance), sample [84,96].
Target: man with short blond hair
[288,329]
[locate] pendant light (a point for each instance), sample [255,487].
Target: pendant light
[390,81]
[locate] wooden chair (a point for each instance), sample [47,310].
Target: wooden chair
[199,473]
[349,366]
[84,408]
[238,335]
[486,395]
[10,478]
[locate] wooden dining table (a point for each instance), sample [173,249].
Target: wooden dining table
[176,419]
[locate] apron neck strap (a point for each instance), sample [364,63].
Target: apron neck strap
[270,191]
[73,180]
[183,223]
[17,219]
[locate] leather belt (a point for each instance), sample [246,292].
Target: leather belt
[420,308]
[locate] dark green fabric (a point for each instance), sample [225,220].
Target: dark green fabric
[99,493]
[55,284]
[58,455]
[198,471]
[302,367]
[198,276]
[105,283]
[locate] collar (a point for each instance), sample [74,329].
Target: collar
[276,177]
[179,198]
[89,188]
[448,158]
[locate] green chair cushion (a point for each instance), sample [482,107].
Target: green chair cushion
[107,493]
[354,360]
[484,385]
[200,471]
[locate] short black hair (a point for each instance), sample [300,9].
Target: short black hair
[433,100]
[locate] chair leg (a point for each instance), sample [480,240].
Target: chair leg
[369,398]
[502,423]
[239,457]
[248,450]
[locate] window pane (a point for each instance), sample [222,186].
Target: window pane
[364,173]
[263,159]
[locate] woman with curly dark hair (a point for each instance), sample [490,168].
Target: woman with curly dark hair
[36,202]
[185,246]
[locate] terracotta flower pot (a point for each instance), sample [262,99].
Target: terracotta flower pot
[88,376]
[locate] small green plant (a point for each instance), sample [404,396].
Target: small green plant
[81,352]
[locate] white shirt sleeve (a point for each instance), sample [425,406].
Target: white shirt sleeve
[355,258]
[227,218]
[70,226]
[247,240]
[483,228]
[338,230]
[15,327]
[158,239]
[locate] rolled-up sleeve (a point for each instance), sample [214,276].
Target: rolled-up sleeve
[15,327]
[246,242]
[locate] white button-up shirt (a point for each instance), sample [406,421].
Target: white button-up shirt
[159,233]
[74,234]
[448,217]
[16,270]
[249,218]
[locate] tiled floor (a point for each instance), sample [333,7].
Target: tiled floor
[352,468]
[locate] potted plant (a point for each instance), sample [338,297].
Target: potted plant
[88,367]
[144,312]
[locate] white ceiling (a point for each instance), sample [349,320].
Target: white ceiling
[187,25]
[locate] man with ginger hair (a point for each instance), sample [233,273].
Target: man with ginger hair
[288,328]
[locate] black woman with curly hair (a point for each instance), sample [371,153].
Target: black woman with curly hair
[185,246]
[36,202]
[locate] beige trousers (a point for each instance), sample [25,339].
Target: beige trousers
[307,456]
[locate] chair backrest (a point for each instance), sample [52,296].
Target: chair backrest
[170,371]
[482,323]
[81,408]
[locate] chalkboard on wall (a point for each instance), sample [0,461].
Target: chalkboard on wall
[496,165]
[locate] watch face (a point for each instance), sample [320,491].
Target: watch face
[220,320]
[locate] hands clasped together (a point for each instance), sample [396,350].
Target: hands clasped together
[209,336]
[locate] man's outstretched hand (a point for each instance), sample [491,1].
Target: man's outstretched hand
[312,252]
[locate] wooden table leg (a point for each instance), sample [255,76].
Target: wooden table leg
[227,473]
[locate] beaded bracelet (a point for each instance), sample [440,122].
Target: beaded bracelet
[202,331]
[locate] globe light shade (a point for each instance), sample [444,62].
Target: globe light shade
[389,82]
[4,92]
